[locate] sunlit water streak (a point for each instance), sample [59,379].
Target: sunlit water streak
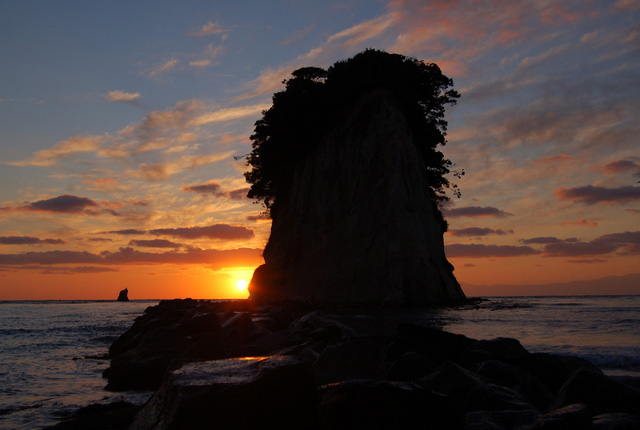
[46,348]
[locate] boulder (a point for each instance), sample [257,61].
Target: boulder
[471,392]
[552,370]
[358,224]
[358,358]
[617,421]
[600,393]
[571,417]
[252,392]
[433,343]
[501,420]
[321,327]
[411,366]
[518,379]
[503,349]
[367,404]
[164,336]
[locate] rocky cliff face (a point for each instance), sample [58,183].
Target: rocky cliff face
[357,226]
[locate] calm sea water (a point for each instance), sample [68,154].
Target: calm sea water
[50,365]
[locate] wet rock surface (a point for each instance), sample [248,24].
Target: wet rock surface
[336,377]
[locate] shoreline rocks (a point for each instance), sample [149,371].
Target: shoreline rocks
[412,377]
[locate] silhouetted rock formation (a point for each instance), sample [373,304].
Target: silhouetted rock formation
[358,225]
[123,296]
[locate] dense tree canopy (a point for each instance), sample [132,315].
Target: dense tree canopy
[314,101]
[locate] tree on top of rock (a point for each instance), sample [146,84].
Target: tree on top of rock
[315,100]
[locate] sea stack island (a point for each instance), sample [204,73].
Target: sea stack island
[346,162]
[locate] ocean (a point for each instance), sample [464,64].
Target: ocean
[52,352]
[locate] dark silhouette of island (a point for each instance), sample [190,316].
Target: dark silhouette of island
[124,295]
[347,166]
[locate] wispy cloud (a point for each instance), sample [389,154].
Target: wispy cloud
[367,30]
[210,54]
[298,35]
[164,170]
[161,68]
[122,96]
[63,149]
[339,44]
[209,28]
[230,114]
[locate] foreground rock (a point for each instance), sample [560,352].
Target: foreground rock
[419,377]
[358,225]
[255,392]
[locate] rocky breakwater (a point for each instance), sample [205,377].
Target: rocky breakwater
[308,369]
[357,224]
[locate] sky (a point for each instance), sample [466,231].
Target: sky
[123,126]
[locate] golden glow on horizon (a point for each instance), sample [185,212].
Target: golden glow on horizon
[242,284]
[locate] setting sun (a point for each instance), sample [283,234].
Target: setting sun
[242,285]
